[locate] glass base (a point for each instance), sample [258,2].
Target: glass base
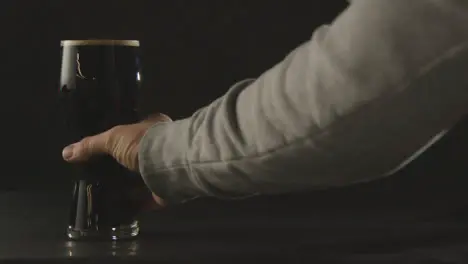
[116,233]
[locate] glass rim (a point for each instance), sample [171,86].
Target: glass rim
[96,42]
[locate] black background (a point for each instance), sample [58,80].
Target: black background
[192,52]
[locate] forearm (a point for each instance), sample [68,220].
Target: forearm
[350,105]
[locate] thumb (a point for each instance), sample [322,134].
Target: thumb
[86,148]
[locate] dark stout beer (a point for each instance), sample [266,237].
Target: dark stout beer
[99,84]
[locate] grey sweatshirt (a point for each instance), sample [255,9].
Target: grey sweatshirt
[356,102]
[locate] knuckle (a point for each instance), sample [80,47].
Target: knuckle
[85,142]
[117,127]
[165,117]
[111,134]
[114,130]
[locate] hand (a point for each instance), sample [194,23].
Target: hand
[121,142]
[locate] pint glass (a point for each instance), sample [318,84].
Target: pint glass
[99,84]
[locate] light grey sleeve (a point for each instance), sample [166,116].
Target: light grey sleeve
[350,105]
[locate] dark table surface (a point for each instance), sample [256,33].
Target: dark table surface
[419,215]
[32,229]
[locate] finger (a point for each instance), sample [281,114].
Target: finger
[150,205]
[158,200]
[86,148]
[143,199]
[153,204]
